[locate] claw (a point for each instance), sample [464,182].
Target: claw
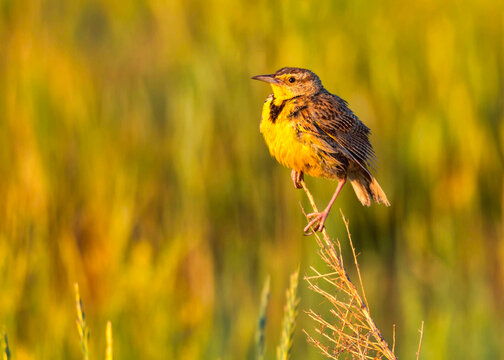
[297,177]
[320,217]
[317,222]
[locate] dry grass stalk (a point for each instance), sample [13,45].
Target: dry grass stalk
[393,338]
[6,350]
[81,324]
[352,330]
[261,325]
[289,322]
[109,350]
[420,341]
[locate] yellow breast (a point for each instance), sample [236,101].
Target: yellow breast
[289,147]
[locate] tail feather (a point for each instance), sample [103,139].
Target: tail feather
[367,188]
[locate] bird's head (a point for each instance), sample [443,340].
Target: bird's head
[290,82]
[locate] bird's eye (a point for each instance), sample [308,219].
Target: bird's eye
[292,79]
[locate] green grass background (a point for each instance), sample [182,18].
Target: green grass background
[131,162]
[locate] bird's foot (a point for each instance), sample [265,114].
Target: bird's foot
[297,177]
[316,223]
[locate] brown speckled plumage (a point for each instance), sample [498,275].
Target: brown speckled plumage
[313,131]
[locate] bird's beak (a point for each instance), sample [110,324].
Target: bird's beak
[267,78]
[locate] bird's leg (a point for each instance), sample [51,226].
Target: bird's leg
[319,218]
[297,177]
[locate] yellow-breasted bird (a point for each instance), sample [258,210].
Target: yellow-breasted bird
[312,131]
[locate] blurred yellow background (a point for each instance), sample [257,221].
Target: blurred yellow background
[131,163]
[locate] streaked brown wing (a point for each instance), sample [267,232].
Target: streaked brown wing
[331,116]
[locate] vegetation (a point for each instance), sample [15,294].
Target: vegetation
[350,330]
[5,347]
[284,350]
[81,324]
[131,163]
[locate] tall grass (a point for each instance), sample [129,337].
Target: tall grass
[350,330]
[109,349]
[84,333]
[284,350]
[263,317]
[131,163]
[5,346]
[82,327]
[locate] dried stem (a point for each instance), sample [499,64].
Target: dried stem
[393,338]
[420,341]
[355,258]
[353,330]
[109,349]
[81,324]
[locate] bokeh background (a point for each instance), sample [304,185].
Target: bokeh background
[131,162]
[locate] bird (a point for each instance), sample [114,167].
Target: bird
[314,132]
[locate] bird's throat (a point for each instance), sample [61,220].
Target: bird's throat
[276,107]
[281,92]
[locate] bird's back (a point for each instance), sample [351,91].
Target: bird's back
[329,117]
